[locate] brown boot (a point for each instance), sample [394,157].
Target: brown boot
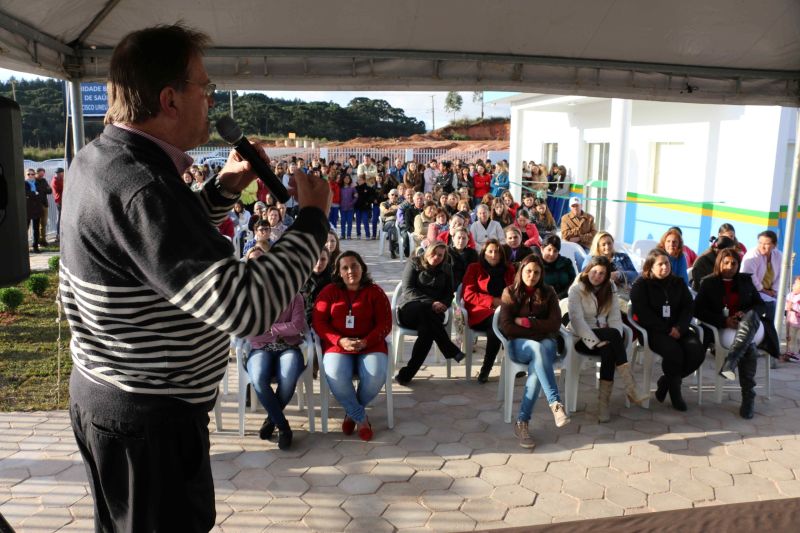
[521,432]
[559,414]
[624,370]
[603,398]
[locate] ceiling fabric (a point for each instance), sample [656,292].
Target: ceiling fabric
[716,51]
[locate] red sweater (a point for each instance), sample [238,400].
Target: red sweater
[371,310]
[335,195]
[481,183]
[58,189]
[530,234]
[445,238]
[477,300]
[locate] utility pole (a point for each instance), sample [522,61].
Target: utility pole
[14,90]
[433,113]
[230,94]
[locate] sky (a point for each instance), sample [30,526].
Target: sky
[415,104]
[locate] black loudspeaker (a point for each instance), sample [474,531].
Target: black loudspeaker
[14,262]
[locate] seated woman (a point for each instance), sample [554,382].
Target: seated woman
[422,221]
[275,355]
[352,317]
[729,301]
[483,286]
[558,270]
[332,245]
[484,229]
[727,230]
[508,199]
[623,273]
[513,248]
[456,222]
[595,319]
[427,294]
[541,216]
[704,265]
[530,233]
[500,213]
[460,254]
[672,243]
[530,317]
[663,306]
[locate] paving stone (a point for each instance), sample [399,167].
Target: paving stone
[583,489]
[432,480]
[411,428]
[245,521]
[668,501]
[599,509]
[693,490]
[566,470]
[746,452]
[731,465]
[324,457]
[323,476]
[406,514]
[282,487]
[360,484]
[526,516]
[484,458]
[369,525]
[245,500]
[290,509]
[627,497]
[442,500]
[424,461]
[387,453]
[630,464]
[326,519]
[772,471]
[324,496]
[500,475]
[527,463]
[541,483]
[49,519]
[451,521]
[453,451]
[485,509]
[364,506]
[670,470]
[556,505]
[418,444]
[461,468]
[790,489]
[590,458]
[448,435]
[399,492]
[514,496]
[755,486]
[713,477]
[288,467]
[648,483]
[471,488]
[789,459]
[356,465]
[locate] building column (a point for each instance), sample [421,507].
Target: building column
[515,153]
[76,109]
[618,167]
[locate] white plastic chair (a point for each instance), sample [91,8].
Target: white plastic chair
[470,335]
[577,361]
[574,252]
[509,368]
[305,384]
[399,332]
[720,353]
[642,247]
[381,237]
[324,390]
[649,356]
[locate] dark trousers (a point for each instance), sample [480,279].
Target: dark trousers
[611,355]
[35,224]
[492,344]
[679,357]
[430,328]
[58,222]
[390,230]
[147,459]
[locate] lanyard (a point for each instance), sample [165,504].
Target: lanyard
[350,301]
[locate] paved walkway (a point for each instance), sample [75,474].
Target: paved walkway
[450,463]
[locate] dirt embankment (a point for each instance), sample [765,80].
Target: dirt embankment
[488,135]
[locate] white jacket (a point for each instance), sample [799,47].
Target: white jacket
[493,231]
[756,264]
[583,313]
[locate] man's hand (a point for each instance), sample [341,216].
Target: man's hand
[312,191]
[439,307]
[238,173]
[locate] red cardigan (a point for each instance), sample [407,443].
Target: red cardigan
[481,184]
[477,301]
[445,238]
[531,234]
[335,194]
[372,312]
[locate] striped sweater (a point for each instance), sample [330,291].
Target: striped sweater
[150,288]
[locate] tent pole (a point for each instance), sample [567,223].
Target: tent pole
[788,234]
[76,107]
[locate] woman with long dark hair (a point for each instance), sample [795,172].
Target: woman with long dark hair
[663,306]
[530,317]
[427,294]
[595,319]
[483,286]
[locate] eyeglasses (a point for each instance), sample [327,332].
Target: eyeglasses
[208,88]
[31,174]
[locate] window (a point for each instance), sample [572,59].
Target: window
[549,154]
[597,165]
[668,166]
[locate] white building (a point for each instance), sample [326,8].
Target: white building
[691,165]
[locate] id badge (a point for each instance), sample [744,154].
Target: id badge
[350,322]
[665,311]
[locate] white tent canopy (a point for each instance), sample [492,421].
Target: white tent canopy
[716,51]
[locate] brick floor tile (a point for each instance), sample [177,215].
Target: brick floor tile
[406,514]
[364,506]
[485,458]
[566,470]
[369,525]
[442,500]
[290,509]
[451,521]
[472,488]
[461,468]
[514,496]
[360,484]
[282,487]
[324,496]
[583,489]
[485,509]
[668,501]
[772,471]
[648,483]
[731,465]
[326,519]
[431,480]
[526,516]
[556,505]
[541,483]
[599,509]
[670,470]
[626,497]
[500,475]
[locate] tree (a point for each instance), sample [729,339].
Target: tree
[452,103]
[477,96]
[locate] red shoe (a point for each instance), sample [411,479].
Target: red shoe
[365,433]
[348,425]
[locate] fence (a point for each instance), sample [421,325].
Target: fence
[341,154]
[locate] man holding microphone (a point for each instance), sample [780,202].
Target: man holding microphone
[152,291]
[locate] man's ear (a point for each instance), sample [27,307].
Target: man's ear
[167,99]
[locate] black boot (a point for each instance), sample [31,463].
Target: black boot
[675,393]
[661,389]
[747,374]
[748,327]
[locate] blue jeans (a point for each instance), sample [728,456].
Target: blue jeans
[347,223]
[333,216]
[376,215]
[362,215]
[371,371]
[263,367]
[539,357]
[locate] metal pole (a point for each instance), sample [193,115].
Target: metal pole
[76,107]
[230,93]
[433,114]
[788,234]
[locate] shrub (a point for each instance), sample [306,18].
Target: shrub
[37,284]
[10,299]
[52,263]
[459,137]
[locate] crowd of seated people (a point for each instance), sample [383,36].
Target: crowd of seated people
[459,225]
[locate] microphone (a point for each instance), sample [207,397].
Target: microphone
[232,134]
